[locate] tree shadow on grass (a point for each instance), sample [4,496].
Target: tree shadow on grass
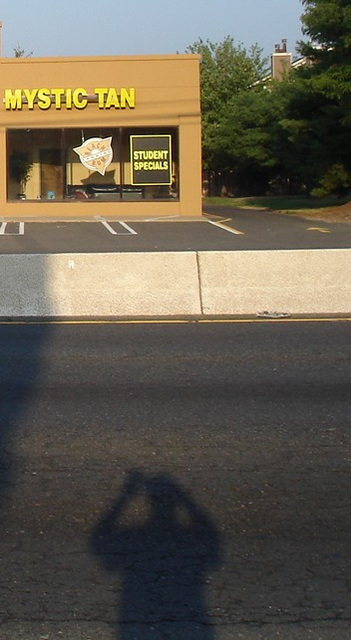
[161,545]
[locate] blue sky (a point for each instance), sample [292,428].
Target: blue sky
[116,27]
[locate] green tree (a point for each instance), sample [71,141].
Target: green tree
[20,168]
[21,53]
[234,109]
[317,125]
[226,69]
[327,23]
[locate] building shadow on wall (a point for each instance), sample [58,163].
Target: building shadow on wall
[161,546]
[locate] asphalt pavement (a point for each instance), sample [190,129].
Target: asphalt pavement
[219,229]
[179,481]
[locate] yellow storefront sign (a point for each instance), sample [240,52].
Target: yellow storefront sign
[79,98]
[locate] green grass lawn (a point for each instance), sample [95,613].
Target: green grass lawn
[288,204]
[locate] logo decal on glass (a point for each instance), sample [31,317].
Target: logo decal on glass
[96,154]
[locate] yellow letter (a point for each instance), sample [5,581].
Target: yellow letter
[13,100]
[57,93]
[112,99]
[80,98]
[30,96]
[44,99]
[127,98]
[101,92]
[68,98]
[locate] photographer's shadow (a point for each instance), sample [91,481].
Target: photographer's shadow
[161,544]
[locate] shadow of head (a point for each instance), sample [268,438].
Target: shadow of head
[162,545]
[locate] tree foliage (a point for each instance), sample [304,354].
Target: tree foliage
[327,23]
[319,108]
[226,69]
[233,112]
[21,53]
[295,133]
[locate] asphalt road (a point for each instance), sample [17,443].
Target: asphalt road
[220,229]
[175,481]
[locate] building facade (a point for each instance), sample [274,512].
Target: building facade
[100,136]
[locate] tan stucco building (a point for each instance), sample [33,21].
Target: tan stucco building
[111,136]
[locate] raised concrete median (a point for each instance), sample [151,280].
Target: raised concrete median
[175,284]
[294,282]
[101,285]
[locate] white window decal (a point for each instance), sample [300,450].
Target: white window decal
[96,154]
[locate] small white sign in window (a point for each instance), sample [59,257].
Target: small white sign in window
[96,154]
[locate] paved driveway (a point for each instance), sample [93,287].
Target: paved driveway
[218,230]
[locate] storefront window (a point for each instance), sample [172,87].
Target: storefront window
[89,164]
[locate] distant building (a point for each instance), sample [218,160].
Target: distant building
[282,61]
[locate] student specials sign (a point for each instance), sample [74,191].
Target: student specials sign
[151,159]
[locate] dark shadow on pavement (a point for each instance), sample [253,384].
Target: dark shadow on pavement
[21,349]
[20,354]
[161,545]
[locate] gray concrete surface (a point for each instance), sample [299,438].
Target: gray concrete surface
[241,283]
[294,282]
[238,432]
[99,285]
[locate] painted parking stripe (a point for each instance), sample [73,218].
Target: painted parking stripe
[3,231]
[129,231]
[319,229]
[225,228]
[160,218]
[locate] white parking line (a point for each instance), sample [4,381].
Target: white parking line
[20,229]
[126,226]
[160,218]
[225,228]
[319,229]
[112,231]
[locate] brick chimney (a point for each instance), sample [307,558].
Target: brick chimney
[281,60]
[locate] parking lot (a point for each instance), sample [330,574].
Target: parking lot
[241,231]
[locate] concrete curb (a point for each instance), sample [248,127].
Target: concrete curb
[174,284]
[294,282]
